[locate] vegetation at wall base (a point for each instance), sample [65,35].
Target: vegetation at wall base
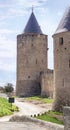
[6,108]
[39,98]
[51,116]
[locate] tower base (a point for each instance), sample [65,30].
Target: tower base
[28,88]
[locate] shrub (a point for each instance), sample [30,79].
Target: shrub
[8,88]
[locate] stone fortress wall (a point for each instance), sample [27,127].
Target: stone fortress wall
[33,75]
[31,61]
[47,83]
[62,62]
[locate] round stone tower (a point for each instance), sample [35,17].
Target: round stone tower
[62,63]
[31,58]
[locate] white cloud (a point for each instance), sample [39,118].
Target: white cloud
[7,54]
[7,51]
[15,12]
[12,13]
[12,10]
[3,5]
[7,44]
[9,67]
[16,8]
[6,31]
[29,3]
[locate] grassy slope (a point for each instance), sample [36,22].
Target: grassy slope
[51,117]
[6,108]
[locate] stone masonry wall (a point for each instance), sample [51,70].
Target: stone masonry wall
[31,61]
[30,88]
[47,84]
[62,70]
[66,111]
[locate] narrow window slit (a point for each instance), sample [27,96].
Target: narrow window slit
[69,63]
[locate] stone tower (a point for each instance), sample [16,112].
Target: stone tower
[31,58]
[62,62]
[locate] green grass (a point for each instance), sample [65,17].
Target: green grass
[51,117]
[6,108]
[38,98]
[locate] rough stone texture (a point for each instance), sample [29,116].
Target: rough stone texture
[40,123]
[62,70]
[29,126]
[66,111]
[31,61]
[30,87]
[47,84]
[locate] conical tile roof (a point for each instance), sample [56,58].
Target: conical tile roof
[32,25]
[65,22]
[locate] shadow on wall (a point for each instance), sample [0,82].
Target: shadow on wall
[28,88]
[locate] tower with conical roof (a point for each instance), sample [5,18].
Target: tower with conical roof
[31,58]
[62,62]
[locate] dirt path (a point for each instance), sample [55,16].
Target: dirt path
[27,109]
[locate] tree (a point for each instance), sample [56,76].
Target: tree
[8,88]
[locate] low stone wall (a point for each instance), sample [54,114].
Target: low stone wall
[45,124]
[47,83]
[66,111]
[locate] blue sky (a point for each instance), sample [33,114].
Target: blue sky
[14,15]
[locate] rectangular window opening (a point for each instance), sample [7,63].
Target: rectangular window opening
[61,40]
[36,61]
